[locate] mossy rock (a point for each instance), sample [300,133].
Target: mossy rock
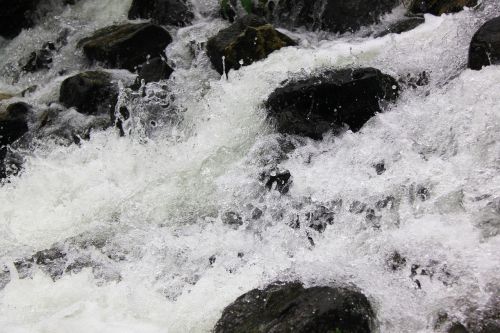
[248,40]
[126,46]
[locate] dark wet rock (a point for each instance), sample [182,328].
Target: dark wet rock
[164,12]
[14,122]
[233,219]
[330,101]
[485,45]
[423,193]
[330,15]
[153,70]
[320,218]
[357,207]
[396,261]
[414,80]
[457,328]
[388,202]
[404,25]
[289,307]
[380,168]
[279,180]
[126,46]
[40,59]
[90,93]
[247,40]
[257,213]
[16,15]
[438,7]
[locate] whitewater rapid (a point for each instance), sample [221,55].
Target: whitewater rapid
[157,197]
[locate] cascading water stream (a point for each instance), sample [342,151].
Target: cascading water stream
[154,199]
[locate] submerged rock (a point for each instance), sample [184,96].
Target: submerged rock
[289,307]
[279,180]
[91,93]
[439,7]
[40,59]
[4,96]
[164,12]
[485,45]
[331,100]
[126,46]
[330,15]
[233,219]
[406,24]
[248,40]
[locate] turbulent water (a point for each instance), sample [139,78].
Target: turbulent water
[155,197]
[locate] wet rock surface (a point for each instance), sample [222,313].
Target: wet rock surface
[331,15]
[13,122]
[153,70]
[164,12]
[248,40]
[330,100]
[438,7]
[126,46]
[289,307]
[404,25]
[485,45]
[91,93]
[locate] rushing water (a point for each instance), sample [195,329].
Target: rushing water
[156,197]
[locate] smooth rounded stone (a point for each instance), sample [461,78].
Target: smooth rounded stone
[330,15]
[14,122]
[164,12]
[439,7]
[247,40]
[126,46]
[90,93]
[330,101]
[289,307]
[404,25]
[485,45]
[153,70]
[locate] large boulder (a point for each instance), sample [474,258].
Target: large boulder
[330,100]
[165,12]
[485,45]
[290,307]
[15,15]
[330,15]
[247,40]
[126,46]
[439,7]
[90,93]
